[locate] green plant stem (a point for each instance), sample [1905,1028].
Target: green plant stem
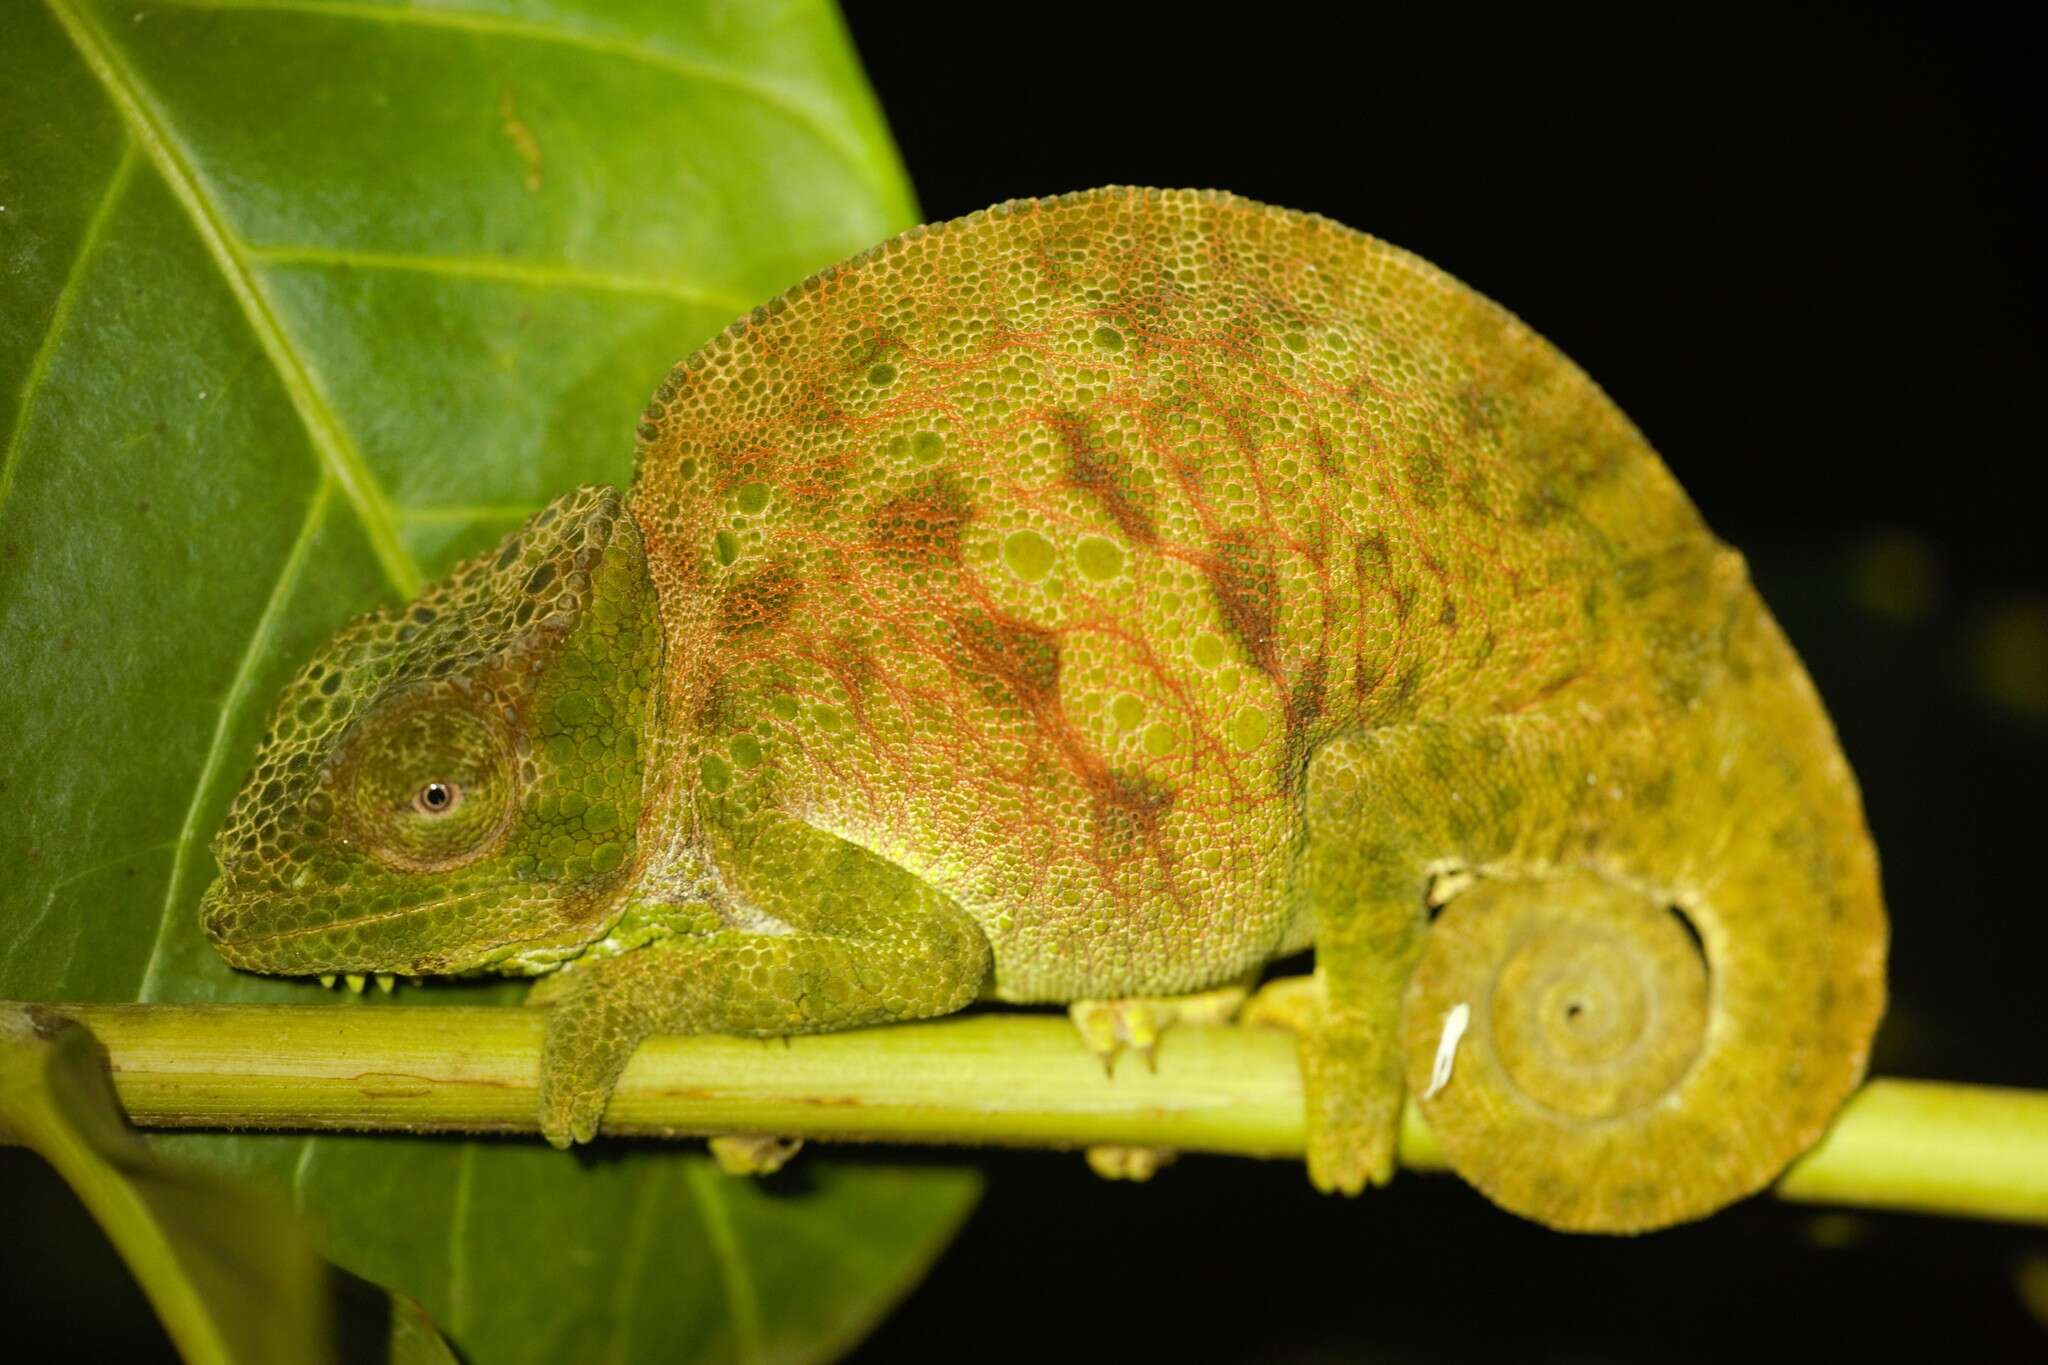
[988,1079]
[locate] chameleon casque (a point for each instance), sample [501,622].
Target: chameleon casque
[1091,600]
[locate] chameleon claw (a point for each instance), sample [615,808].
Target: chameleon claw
[327,980]
[1101,1028]
[1107,1027]
[387,982]
[355,983]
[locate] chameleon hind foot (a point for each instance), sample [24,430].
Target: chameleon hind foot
[1129,1163]
[1287,1002]
[1107,1027]
[1353,1107]
[754,1154]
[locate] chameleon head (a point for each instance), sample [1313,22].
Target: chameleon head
[456,784]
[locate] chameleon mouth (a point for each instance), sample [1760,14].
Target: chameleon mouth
[338,945]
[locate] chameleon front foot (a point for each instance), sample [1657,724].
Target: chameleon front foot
[568,1116]
[1107,1027]
[1350,1087]
[597,1018]
[754,1154]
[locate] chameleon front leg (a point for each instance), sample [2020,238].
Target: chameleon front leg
[854,940]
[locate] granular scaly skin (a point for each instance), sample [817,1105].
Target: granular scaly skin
[1094,599]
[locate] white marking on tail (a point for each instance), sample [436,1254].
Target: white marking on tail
[1447,1048]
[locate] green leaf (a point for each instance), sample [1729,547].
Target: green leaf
[228,1269]
[301,300]
[229,1272]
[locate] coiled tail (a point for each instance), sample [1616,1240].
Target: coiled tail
[1658,1022]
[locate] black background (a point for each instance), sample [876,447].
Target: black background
[1798,248]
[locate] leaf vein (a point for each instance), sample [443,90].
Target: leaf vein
[24,932]
[149,127]
[307,1146]
[506,271]
[458,1238]
[61,314]
[742,1300]
[633,1261]
[231,702]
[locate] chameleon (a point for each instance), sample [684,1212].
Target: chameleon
[1091,601]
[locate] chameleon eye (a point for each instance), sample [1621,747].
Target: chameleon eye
[437,798]
[429,783]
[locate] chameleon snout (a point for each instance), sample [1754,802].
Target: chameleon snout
[355,930]
[259,931]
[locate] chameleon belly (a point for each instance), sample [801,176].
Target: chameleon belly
[1038,552]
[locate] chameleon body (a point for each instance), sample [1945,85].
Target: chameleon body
[1094,599]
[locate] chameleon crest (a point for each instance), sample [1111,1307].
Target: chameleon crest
[1090,601]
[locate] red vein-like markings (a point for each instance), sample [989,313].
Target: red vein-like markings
[924,522]
[1019,663]
[1168,682]
[1093,470]
[762,601]
[1240,563]
[1013,663]
[1372,563]
[935,648]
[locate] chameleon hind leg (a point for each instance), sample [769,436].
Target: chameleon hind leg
[1671,984]
[1108,1026]
[1396,819]
[1656,968]
[854,940]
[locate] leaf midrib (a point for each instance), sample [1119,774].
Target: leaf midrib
[331,442]
[343,466]
[150,130]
